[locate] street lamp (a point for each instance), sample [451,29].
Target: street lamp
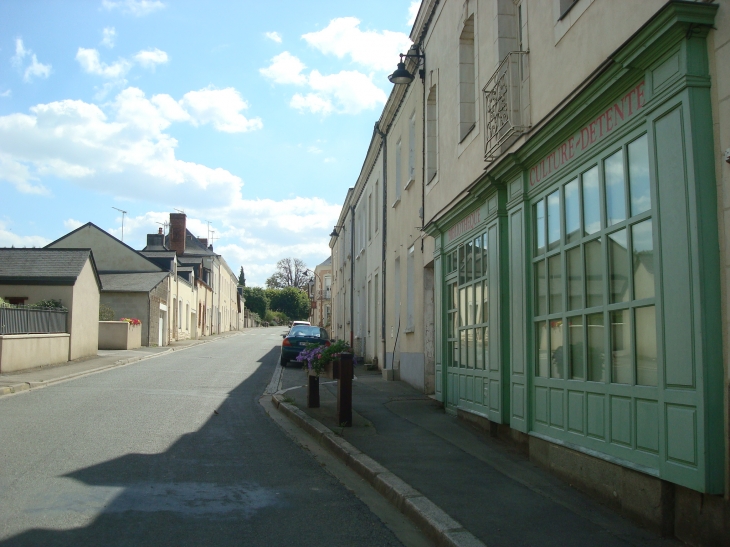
[401,74]
[334,230]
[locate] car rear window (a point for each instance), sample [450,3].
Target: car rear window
[305,330]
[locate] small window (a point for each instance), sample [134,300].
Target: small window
[467,80]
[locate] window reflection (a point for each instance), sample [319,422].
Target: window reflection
[620,347]
[615,191]
[542,349]
[553,212]
[469,262]
[574,268]
[646,365]
[541,288]
[557,359]
[479,363]
[572,212]
[575,340]
[594,273]
[555,270]
[596,347]
[540,227]
[591,202]
[618,256]
[639,176]
[643,259]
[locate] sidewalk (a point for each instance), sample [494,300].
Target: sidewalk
[15,382]
[462,486]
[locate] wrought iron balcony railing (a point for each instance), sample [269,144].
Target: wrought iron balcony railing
[506,102]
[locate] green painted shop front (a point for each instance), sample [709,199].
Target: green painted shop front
[580,295]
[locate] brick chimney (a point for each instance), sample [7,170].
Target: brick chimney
[177,232]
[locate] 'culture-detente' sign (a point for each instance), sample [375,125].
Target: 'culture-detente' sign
[607,122]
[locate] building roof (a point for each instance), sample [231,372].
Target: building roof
[327,262]
[132,282]
[155,253]
[44,266]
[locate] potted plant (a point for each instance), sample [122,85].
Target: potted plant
[323,359]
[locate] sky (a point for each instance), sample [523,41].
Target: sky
[252,117]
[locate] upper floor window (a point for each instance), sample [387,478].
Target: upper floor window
[565,6]
[412,148]
[398,169]
[467,86]
[431,135]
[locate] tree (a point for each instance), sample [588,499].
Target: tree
[290,272]
[291,301]
[256,300]
[242,278]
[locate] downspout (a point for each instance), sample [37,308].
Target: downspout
[423,150]
[384,148]
[352,274]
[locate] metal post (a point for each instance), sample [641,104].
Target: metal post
[313,392]
[344,391]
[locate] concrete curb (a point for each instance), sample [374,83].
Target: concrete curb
[27,386]
[427,515]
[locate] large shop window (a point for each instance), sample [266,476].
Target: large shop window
[594,280]
[467,306]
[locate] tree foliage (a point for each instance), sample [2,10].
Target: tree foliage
[291,301]
[290,272]
[256,300]
[242,278]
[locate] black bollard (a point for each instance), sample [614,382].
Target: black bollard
[344,391]
[313,392]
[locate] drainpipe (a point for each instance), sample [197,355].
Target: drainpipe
[423,150]
[352,275]
[384,148]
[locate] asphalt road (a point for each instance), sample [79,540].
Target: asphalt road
[138,456]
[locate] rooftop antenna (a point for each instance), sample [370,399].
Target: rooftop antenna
[181,211]
[123,213]
[212,237]
[164,225]
[208,234]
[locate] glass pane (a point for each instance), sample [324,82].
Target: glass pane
[455,324]
[485,305]
[470,344]
[542,349]
[639,176]
[575,278]
[555,269]
[541,288]
[575,341]
[450,325]
[486,347]
[450,354]
[454,295]
[591,202]
[646,346]
[450,304]
[553,212]
[615,192]
[596,348]
[462,307]
[620,347]
[485,259]
[469,262]
[470,305]
[594,273]
[618,266]
[556,346]
[643,259]
[480,349]
[539,228]
[463,346]
[478,257]
[572,212]
[462,265]
[456,360]
[478,303]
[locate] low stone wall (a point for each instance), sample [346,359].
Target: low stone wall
[119,335]
[24,351]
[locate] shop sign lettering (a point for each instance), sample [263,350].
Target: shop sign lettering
[465,225]
[607,122]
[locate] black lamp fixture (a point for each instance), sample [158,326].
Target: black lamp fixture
[401,74]
[334,231]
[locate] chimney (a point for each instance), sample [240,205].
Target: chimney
[155,240]
[177,232]
[159,231]
[203,241]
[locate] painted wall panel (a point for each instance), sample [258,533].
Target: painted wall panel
[647,425]
[576,411]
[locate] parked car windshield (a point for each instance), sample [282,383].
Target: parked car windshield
[305,330]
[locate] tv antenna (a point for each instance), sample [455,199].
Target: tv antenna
[123,213]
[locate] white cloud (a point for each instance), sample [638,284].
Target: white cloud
[123,149]
[89,61]
[138,8]
[110,35]
[347,92]
[6,93]
[285,68]
[151,58]
[275,36]
[10,239]
[35,68]
[71,224]
[314,150]
[413,11]
[372,49]
[221,108]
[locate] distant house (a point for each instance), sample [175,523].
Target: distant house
[28,276]
[132,284]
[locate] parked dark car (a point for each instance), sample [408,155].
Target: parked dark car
[297,339]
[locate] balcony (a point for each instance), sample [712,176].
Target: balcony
[506,104]
[324,294]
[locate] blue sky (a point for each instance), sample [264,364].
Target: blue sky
[254,116]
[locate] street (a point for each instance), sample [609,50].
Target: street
[174,450]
